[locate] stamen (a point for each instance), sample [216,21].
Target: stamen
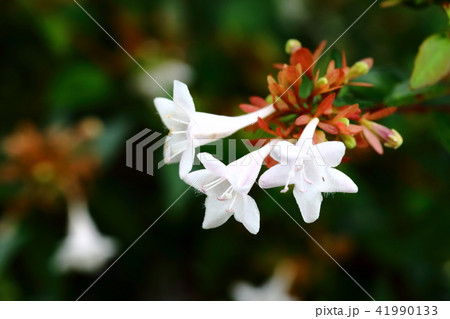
[212,184]
[227,194]
[169,116]
[286,187]
[230,209]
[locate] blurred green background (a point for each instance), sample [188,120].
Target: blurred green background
[58,66]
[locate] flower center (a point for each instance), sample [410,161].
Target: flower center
[290,176]
[211,185]
[302,178]
[226,195]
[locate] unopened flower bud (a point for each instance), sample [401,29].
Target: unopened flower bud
[344,120]
[358,69]
[269,99]
[389,137]
[292,45]
[349,141]
[395,140]
[323,80]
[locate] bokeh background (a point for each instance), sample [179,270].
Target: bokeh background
[58,67]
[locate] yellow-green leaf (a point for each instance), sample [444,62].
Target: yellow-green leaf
[432,62]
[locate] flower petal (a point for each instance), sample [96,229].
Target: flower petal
[380,113]
[216,213]
[309,203]
[199,178]
[166,108]
[275,176]
[243,172]
[331,152]
[183,98]
[334,181]
[187,161]
[212,164]
[174,146]
[308,132]
[302,119]
[285,152]
[325,106]
[329,128]
[373,140]
[247,213]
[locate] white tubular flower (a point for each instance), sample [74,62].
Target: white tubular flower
[84,249]
[189,129]
[227,187]
[310,167]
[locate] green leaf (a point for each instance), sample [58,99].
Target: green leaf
[81,85]
[306,87]
[57,31]
[403,95]
[383,80]
[432,62]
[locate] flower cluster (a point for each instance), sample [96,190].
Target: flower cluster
[300,108]
[301,92]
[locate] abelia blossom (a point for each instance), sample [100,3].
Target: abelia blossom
[84,249]
[227,188]
[189,129]
[303,104]
[377,134]
[310,167]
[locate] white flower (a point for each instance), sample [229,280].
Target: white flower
[227,188]
[165,72]
[84,249]
[275,289]
[310,168]
[190,129]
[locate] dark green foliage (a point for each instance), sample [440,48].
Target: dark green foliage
[57,64]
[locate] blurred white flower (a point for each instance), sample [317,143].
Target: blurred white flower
[291,13]
[84,249]
[275,289]
[164,73]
